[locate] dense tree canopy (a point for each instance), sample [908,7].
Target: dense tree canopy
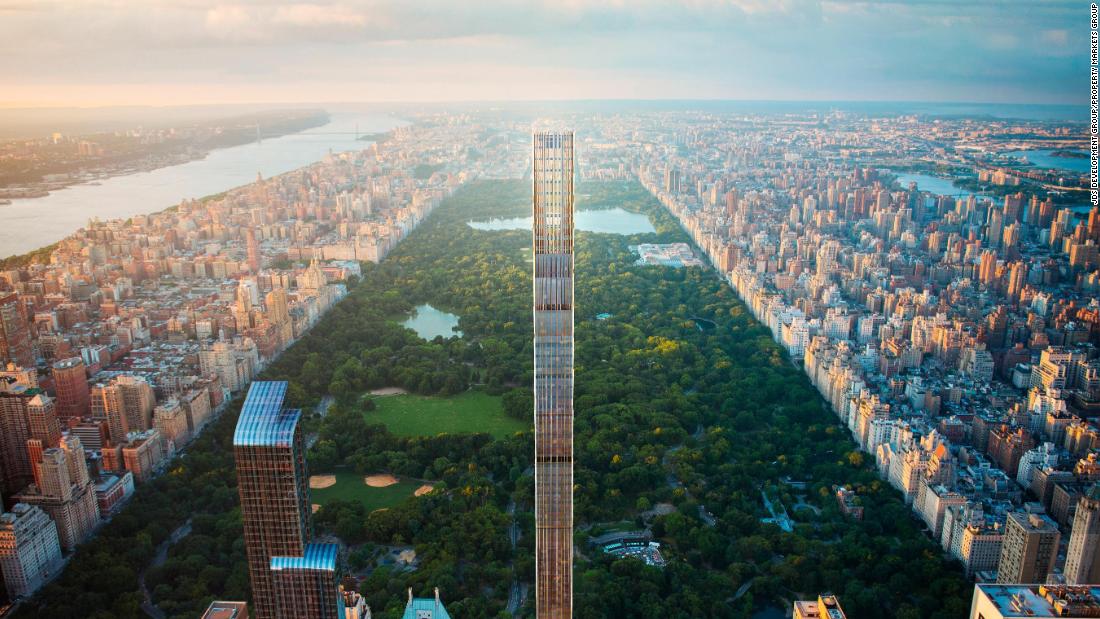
[677,428]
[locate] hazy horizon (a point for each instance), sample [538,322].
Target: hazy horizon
[30,122]
[61,53]
[319,103]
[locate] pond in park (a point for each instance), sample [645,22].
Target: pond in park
[703,324]
[429,322]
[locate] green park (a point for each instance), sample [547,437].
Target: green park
[419,415]
[667,414]
[344,485]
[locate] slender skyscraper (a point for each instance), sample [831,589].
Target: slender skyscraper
[291,578]
[552,163]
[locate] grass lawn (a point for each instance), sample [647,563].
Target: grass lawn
[470,411]
[350,487]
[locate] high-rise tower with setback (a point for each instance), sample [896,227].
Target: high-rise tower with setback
[291,577]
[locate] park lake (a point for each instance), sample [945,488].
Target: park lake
[429,322]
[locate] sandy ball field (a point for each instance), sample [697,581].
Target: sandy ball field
[322,481]
[388,391]
[422,490]
[380,481]
[315,507]
[663,509]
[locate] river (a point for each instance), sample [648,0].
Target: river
[1044,159]
[35,222]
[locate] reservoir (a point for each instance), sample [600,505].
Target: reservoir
[35,222]
[608,221]
[932,184]
[944,187]
[1044,159]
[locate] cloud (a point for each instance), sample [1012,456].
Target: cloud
[225,20]
[1059,38]
[265,23]
[1001,41]
[315,15]
[18,7]
[916,49]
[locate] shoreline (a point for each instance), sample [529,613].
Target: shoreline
[225,412]
[219,172]
[153,161]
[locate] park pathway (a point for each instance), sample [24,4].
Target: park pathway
[147,605]
[517,592]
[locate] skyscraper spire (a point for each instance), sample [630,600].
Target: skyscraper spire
[552,164]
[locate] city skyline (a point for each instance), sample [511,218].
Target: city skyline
[208,51]
[534,309]
[127,406]
[930,279]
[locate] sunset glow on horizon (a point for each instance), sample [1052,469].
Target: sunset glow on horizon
[172,52]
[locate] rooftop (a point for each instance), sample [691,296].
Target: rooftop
[806,608]
[1042,600]
[65,364]
[425,608]
[107,481]
[825,606]
[263,421]
[226,610]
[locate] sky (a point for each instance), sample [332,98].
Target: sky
[172,52]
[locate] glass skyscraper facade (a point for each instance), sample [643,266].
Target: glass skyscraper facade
[552,166]
[290,577]
[309,585]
